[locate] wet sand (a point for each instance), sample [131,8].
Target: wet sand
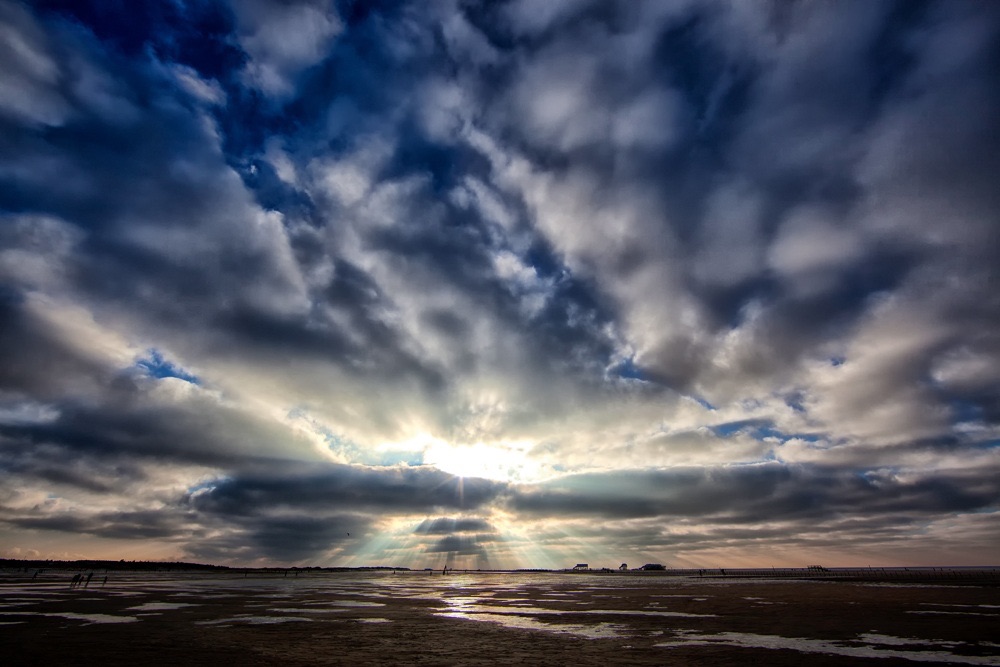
[491,619]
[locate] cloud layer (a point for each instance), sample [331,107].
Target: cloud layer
[496,286]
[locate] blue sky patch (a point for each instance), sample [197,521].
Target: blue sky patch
[155,365]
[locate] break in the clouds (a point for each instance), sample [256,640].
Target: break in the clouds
[500,284]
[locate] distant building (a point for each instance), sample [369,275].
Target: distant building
[623,567]
[581,566]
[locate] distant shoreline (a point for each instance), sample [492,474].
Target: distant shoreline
[985,573]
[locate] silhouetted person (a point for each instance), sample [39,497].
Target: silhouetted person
[89,577]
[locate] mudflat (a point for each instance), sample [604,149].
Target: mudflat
[420,618]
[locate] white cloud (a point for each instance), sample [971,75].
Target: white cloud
[283,39]
[209,92]
[31,80]
[557,100]
[650,122]
[813,249]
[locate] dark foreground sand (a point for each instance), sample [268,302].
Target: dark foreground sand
[538,619]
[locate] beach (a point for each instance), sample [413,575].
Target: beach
[425,618]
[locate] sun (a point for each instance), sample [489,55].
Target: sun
[503,461]
[499,460]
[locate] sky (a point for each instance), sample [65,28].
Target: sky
[515,284]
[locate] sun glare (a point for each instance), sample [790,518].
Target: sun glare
[505,461]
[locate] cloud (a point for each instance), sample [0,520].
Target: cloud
[455,544]
[120,525]
[446,526]
[752,494]
[729,267]
[284,539]
[30,89]
[283,39]
[391,488]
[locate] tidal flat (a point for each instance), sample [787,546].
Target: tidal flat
[426,618]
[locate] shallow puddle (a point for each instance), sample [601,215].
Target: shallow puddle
[161,606]
[255,620]
[870,647]
[596,631]
[90,618]
[951,613]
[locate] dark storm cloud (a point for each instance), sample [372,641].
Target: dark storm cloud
[757,493]
[134,419]
[61,466]
[73,419]
[114,525]
[458,544]
[447,526]
[303,512]
[654,536]
[33,362]
[389,489]
[284,538]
